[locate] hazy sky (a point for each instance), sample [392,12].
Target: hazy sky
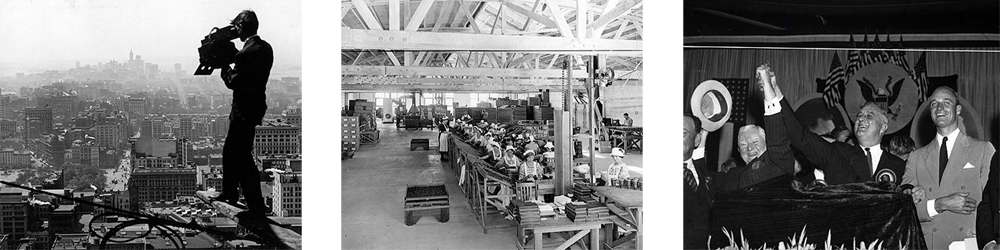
[163,32]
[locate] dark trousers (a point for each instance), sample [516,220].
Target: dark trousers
[239,169]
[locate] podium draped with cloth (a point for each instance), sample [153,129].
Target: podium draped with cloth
[775,210]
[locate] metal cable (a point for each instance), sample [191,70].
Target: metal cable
[138,219]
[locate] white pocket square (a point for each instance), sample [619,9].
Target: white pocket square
[968,166]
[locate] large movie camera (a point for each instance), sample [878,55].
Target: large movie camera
[217,50]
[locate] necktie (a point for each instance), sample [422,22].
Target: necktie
[689,178]
[943,158]
[868,151]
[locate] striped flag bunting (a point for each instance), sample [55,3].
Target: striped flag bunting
[834,89]
[920,71]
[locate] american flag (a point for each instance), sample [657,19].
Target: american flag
[920,71]
[853,60]
[864,57]
[834,89]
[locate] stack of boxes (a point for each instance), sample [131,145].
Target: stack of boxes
[528,213]
[587,212]
[598,212]
[351,133]
[544,113]
[519,113]
[505,115]
[582,192]
[577,211]
[534,101]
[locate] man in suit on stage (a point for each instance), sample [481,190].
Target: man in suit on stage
[248,80]
[842,162]
[697,197]
[988,213]
[767,154]
[952,171]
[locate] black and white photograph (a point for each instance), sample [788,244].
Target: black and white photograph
[150,124]
[841,124]
[491,124]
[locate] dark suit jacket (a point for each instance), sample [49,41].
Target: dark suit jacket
[697,210]
[841,162]
[248,79]
[988,212]
[776,161]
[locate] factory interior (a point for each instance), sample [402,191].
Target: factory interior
[491,124]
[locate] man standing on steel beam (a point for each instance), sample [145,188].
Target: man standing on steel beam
[248,80]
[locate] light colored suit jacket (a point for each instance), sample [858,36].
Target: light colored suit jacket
[967,171]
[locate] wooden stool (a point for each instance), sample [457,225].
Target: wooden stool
[422,198]
[417,143]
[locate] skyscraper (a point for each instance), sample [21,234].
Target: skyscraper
[185,127]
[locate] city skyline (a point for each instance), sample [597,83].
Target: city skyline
[55,35]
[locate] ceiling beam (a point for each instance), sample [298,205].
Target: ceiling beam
[623,8]
[344,9]
[394,15]
[559,19]
[418,16]
[582,18]
[621,29]
[373,24]
[531,15]
[608,7]
[468,14]
[533,9]
[522,59]
[355,70]
[357,39]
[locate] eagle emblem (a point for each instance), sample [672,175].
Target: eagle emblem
[888,86]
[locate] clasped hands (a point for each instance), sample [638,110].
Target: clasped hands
[959,203]
[768,83]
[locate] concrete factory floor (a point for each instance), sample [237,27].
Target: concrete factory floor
[374,184]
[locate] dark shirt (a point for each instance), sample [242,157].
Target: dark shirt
[841,162]
[776,161]
[248,79]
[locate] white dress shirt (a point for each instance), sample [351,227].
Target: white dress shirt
[951,147]
[876,156]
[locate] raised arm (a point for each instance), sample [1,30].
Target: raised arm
[817,151]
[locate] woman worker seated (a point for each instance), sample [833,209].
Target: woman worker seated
[494,153]
[530,170]
[617,170]
[510,159]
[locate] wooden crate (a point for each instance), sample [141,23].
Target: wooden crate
[369,137]
[423,198]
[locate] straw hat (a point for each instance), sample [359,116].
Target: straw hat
[712,103]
